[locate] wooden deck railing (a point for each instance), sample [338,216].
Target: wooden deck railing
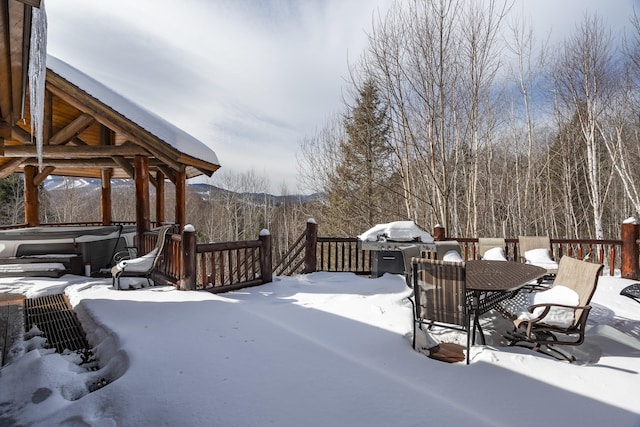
[605,252]
[292,261]
[225,266]
[342,254]
[311,253]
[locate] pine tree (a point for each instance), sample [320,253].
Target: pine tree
[360,182]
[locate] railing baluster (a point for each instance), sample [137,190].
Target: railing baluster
[612,256]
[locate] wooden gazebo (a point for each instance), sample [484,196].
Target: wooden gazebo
[89,131]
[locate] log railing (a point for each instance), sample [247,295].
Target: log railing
[605,252]
[292,261]
[225,266]
[342,254]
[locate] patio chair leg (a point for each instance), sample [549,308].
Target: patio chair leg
[518,339]
[556,354]
[473,331]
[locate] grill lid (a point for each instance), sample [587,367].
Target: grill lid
[398,231]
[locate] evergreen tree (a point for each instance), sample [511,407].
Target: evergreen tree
[360,183]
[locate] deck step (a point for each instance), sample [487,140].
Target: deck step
[11,326]
[54,316]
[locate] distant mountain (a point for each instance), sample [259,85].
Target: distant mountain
[206,189]
[56,183]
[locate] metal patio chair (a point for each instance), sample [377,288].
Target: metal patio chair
[541,246]
[408,253]
[542,331]
[488,243]
[142,266]
[440,297]
[446,246]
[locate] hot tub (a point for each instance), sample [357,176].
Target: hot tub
[96,245]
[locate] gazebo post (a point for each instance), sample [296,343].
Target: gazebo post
[311,247]
[159,197]
[31,206]
[105,196]
[106,138]
[181,197]
[142,198]
[630,231]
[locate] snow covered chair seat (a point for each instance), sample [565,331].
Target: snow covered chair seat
[142,266]
[448,248]
[492,248]
[536,250]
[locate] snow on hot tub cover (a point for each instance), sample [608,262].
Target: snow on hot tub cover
[400,231]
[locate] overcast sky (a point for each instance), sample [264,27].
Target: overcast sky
[250,78]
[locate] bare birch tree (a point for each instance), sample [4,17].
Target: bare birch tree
[583,84]
[528,70]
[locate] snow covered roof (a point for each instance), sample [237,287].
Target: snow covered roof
[149,121]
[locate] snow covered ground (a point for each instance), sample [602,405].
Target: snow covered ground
[325,349]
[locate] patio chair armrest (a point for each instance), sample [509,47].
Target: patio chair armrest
[549,306]
[120,256]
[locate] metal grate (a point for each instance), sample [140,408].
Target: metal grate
[53,315]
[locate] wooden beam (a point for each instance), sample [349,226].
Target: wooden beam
[143,220]
[47,123]
[15,27]
[107,136]
[130,170]
[125,166]
[5,131]
[42,175]
[100,162]
[72,130]
[105,197]
[32,3]
[168,173]
[10,167]
[21,68]
[20,134]
[31,207]
[75,152]
[6,106]
[203,166]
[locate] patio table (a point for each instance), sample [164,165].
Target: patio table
[491,282]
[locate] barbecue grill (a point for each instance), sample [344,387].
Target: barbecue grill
[387,242]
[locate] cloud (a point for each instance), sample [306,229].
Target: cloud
[248,78]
